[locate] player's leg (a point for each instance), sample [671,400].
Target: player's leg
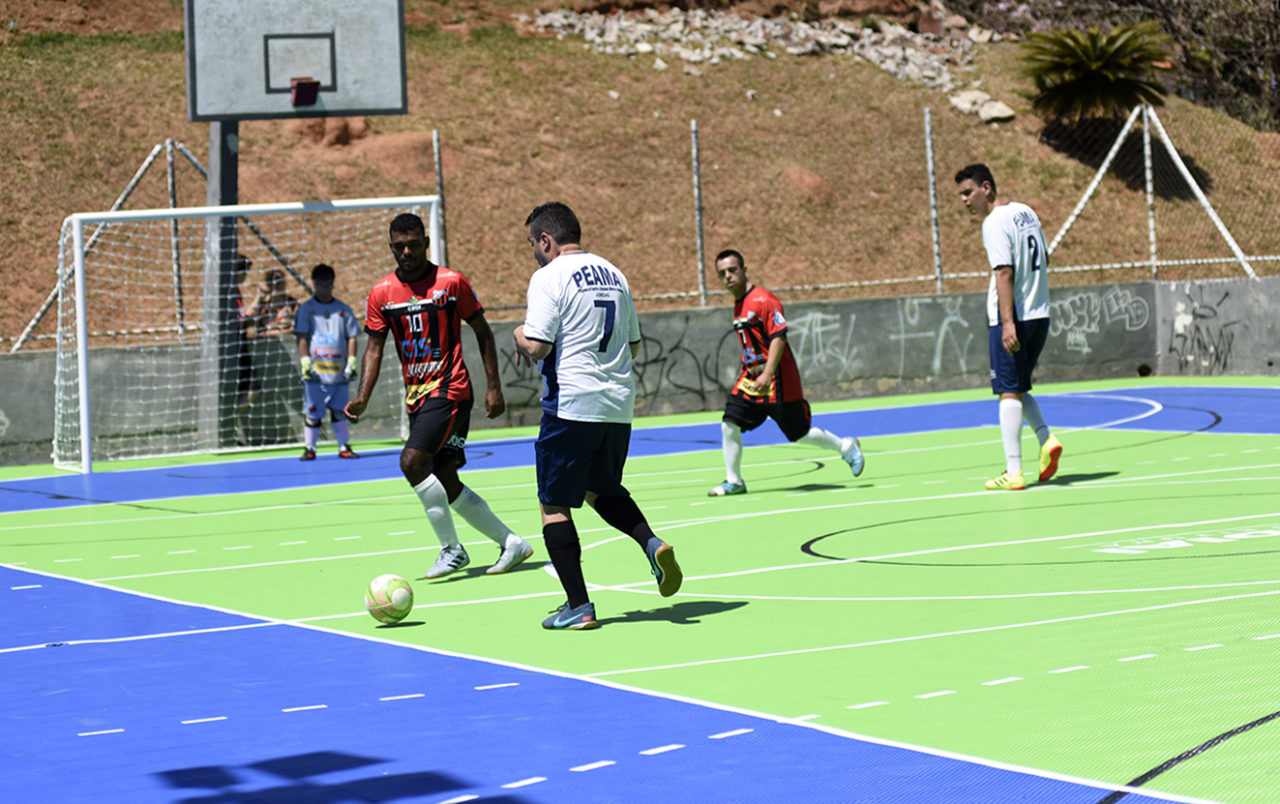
[796,422]
[1036,333]
[615,506]
[471,506]
[739,415]
[313,404]
[429,429]
[338,394]
[1007,383]
[562,455]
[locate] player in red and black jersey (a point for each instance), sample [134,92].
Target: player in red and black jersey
[421,307]
[768,386]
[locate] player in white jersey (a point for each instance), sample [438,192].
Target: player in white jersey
[581,323]
[1018,315]
[326,330]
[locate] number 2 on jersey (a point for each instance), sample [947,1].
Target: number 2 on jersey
[1033,246]
[610,308]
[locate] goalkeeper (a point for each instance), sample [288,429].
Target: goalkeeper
[326,330]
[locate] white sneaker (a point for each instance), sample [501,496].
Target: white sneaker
[450,559]
[851,452]
[515,551]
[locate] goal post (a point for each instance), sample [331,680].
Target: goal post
[163,350]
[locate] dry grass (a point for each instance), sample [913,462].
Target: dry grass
[822,179]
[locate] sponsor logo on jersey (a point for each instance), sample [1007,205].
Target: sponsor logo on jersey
[416,393]
[778,320]
[594,276]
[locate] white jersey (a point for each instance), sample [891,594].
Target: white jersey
[327,326]
[581,303]
[1012,235]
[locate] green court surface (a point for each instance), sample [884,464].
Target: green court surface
[1109,624]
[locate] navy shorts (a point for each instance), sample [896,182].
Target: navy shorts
[1011,373]
[576,457]
[440,427]
[793,418]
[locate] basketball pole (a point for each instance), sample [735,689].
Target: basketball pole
[218,363]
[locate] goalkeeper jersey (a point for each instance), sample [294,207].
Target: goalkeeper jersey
[328,327]
[424,319]
[758,319]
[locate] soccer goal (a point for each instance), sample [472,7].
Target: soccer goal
[175,325]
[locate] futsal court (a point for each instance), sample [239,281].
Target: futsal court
[193,630]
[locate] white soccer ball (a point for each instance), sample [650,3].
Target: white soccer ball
[389,598]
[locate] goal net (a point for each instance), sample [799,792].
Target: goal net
[175,325]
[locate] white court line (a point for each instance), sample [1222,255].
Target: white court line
[921,637]
[662,749]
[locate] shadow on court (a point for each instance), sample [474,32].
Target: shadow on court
[1065,479]
[689,613]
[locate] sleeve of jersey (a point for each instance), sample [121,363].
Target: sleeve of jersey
[468,301]
[352,327]
[301,321]
[542,311]
[633,328]
[996,240]
[770,311]
[374,323]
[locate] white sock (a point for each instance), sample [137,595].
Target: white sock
[436,503]
[341,431]
[1011,434]
[1034,418]
[472,508]
[822,438]
[731,439]
[313,436]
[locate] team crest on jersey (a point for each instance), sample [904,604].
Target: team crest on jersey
[439,296]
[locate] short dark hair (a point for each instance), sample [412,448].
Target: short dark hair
[729,252]
[408,222]
[557,220]
[979,173]
[322,271]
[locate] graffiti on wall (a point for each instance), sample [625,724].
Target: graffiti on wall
[1079,315]
[824,343]
[1200,337]
[938,324]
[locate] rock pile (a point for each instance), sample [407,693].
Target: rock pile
[701,37]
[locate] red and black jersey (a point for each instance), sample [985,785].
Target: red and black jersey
[758,319]
[424,319]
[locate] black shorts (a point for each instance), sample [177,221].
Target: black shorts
[1011,373]
[440,426]
[793,418]
[576,457]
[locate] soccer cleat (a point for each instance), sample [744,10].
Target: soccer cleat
[347,452]
[579,619]
[662,560]
[852,455]
[515,551]
[1049,455]
[308,454]
[450,560]
[1007,482]
[726,488]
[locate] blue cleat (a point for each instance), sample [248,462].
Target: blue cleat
[579,619]
[662,560]
[726,489]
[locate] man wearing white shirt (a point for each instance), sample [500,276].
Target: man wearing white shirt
[1018,315]
[581,323]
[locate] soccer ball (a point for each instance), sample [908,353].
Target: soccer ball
[389,598]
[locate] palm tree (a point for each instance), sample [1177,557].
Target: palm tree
[1086,74]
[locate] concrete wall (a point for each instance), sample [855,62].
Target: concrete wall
[689,357]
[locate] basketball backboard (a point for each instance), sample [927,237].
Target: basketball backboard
[262,59]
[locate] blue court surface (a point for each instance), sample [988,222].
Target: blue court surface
[1162,409]
[144,700]
[141,699]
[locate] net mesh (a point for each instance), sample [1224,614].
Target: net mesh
[186,358]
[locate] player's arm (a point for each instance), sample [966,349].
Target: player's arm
[1004,303]
[776,345]
[494,404]
[529,347]
[369,369]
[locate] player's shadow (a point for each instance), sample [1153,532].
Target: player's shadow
[1062,479]
[476,571]
[683,613]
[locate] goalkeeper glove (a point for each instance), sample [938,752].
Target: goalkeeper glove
[350,371]
[307,372]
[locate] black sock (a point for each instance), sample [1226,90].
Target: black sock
[623,514]
[565,551]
